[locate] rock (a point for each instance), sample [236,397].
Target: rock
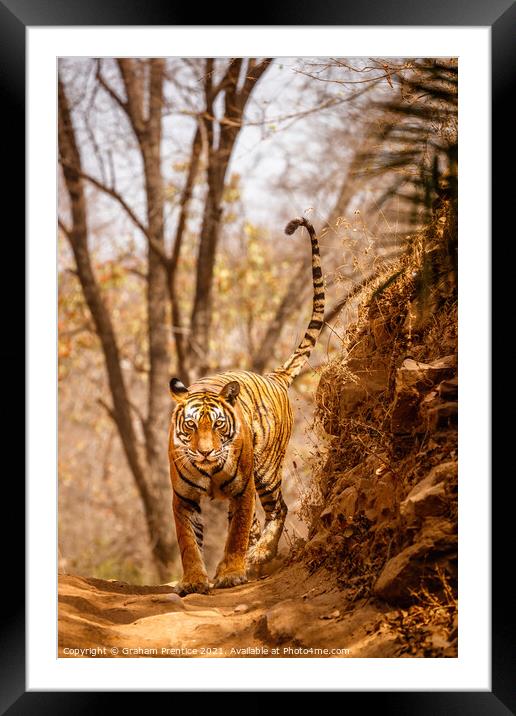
[447,363]
[333,615]
[423,376]
[379,499]
[405,417]
[429,496]
[341,509]
[401,573]
[414,380]
[347,502]
[326,516]
[442,415]
[175,599]
[317,547]
[430,399]
[170,598]
[408,569]
[445,471]
[423,501]
[448,389]
[381,470]
[367,385]
[372,493]
[368,377]
[284,620]
[241,608]
[438,533]
[438,641]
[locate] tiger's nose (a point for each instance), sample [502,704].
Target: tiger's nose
[205,453]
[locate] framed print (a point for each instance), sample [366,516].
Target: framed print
[258,262]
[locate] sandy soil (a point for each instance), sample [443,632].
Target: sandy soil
[287,614]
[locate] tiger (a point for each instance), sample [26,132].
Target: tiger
[227,440]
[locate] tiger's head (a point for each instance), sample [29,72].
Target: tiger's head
[204,424]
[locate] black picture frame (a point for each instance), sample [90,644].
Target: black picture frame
[15,17]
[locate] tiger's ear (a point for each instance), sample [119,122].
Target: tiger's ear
[230,391]
[177,390]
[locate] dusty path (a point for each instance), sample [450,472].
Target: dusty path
[287,614]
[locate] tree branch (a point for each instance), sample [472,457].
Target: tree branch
[66,231]
[114,194]
[109,410]
[110,192]
[111,92]
[134,92]
[254,72]
[174,261]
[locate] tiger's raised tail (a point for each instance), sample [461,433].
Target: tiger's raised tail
[294,364]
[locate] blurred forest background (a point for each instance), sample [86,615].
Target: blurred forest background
[176,178]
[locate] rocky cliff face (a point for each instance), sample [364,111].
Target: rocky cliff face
[386,518]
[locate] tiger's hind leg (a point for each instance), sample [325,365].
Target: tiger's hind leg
[275,510]
[255,532]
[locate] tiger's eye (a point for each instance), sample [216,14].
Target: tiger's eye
[190,424]
[219,423]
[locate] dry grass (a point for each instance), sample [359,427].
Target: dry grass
[429,628]
[400,318]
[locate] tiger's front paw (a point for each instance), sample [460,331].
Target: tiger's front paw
[194,587]
[229,579]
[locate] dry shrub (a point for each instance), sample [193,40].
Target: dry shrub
[441,337]
[310,502]
[429,628]
[410,311]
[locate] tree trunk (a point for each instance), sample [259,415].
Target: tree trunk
[177,320]
[219,149]
[202,308]
[292,299]
[147,128]
[158,412]
[157,504]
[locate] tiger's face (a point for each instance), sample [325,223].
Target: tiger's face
[204,425]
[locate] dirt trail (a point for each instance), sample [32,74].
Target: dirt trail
[252,620]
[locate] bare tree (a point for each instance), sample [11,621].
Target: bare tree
[146,466]
[142,103]
[220,135]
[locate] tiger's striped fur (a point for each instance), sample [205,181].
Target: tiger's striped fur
[228,438]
